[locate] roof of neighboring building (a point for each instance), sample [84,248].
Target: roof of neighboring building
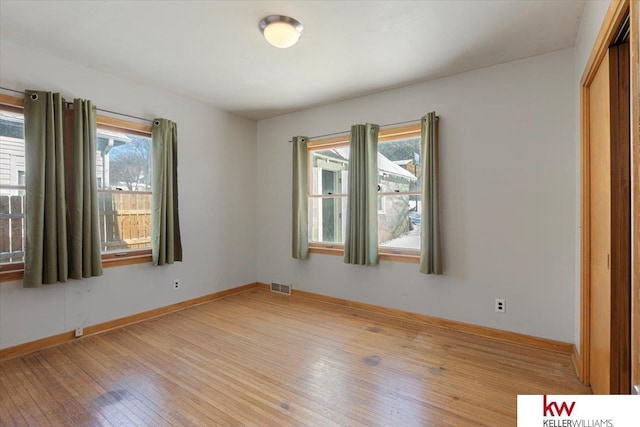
[384,164]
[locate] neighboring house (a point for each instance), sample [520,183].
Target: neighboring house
[105,142]
[12,155]
[12,169]
[329,177]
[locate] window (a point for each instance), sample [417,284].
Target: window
[399,194]
[123,168]
[399,205]
[123,174]
[12,187]
[328,195]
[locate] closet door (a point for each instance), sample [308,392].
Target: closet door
[609,195]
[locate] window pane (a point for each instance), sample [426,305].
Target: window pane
[399,222]
[123,161]
[11,226]
[125,220]
[326,219]
[123,169]
[399,165]
[12,173]
[11,125]
[329,171]
[11,148]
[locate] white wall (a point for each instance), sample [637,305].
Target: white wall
[590,23]
[508,164]
[217,154]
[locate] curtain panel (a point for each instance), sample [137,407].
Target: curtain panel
[300,232]
[46,255]
[85,258]
[166,244]
[361,239]
[430,254]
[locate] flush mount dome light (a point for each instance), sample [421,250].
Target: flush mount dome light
[281,31]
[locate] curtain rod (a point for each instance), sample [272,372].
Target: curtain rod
[97,109]
[347,131]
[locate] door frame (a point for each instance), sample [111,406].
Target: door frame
[618,10]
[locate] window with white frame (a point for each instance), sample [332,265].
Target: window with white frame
[123,169]
[123,173]
[399,202]
[328,194]
[12,186]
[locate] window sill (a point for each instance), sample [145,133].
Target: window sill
[408,256]
[11,272]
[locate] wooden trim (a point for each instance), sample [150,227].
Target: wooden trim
[412,259]
[616,14]
[585,237]
[30,347]
[409,131]
[119,125]
[614,17]
[127,260]
[576,360]
[109,260]
[467,328]
[125,254]
[634,50]
[11,275]
[327,143]
[15,266]
[338,250]
[407,255]
[22,349]
[11,101]
[326,251]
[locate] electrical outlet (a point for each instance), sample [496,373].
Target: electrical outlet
[79,332]
[501,305]
[176,284]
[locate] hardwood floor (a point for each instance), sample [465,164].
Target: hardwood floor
[259,359]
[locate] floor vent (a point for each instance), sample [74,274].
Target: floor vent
[281,289]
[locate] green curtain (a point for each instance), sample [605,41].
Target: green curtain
[166,244]
[361,240]
[300,232]
[85,259]
[46,259]
[430,255]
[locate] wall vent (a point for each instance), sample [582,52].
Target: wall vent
[281,289]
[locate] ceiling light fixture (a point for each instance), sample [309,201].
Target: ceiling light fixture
[280,31]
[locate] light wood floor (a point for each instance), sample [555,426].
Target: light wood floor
[259,359]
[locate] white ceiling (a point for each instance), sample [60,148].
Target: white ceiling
[213,51]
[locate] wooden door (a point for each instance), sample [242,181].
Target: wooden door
[609,195]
